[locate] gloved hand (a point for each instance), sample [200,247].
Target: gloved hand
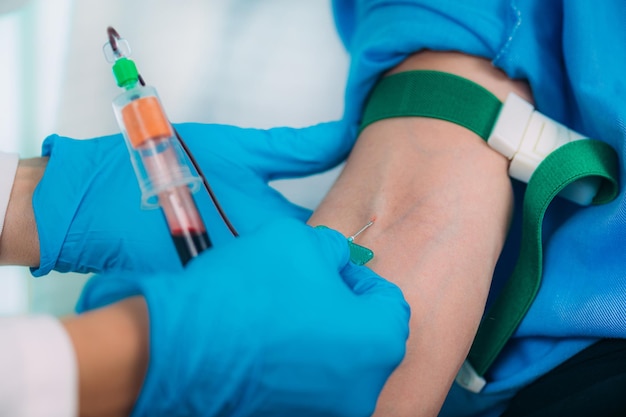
[276,323]
[87,205]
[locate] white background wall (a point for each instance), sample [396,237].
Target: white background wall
[244,62]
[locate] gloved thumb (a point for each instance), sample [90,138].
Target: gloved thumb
[333,245]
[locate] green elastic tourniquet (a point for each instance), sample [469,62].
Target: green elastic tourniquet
[570,162]
[433,94]
[458,100]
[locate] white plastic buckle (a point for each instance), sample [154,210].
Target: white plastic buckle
[526,137]
[469,379]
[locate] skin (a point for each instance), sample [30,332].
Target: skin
[442,201]
[111,346]
[19,241]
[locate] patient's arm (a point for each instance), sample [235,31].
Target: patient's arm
[442,201]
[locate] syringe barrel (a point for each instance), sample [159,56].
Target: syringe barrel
[156,155]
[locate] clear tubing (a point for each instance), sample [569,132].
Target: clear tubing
[163,174]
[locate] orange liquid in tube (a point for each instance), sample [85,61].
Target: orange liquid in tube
[161,170]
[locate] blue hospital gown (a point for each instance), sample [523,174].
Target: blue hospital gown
[573,55]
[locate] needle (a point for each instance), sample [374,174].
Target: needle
[371,222]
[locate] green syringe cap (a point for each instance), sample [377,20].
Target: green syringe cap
[125,72]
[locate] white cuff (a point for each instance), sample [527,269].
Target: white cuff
[38,371]
[8,166]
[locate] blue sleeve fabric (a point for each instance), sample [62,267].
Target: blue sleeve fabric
[572,55]
[380,34]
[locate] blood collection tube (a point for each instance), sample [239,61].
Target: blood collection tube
[164,176]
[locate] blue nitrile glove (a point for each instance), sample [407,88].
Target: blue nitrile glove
[87,205]
[275,323]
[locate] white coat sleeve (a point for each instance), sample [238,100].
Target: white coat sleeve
[38,370]
[8,166]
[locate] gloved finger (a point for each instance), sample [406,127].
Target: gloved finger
[274,153]
[293,152]
[386,308]
[363,281]
[376,290]
[332,246]
[249,204]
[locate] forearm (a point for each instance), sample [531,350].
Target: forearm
[19,242]
[111,346]
[442,201]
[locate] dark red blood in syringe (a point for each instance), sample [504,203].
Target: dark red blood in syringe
[190,243]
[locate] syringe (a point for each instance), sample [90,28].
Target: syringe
[164,176]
